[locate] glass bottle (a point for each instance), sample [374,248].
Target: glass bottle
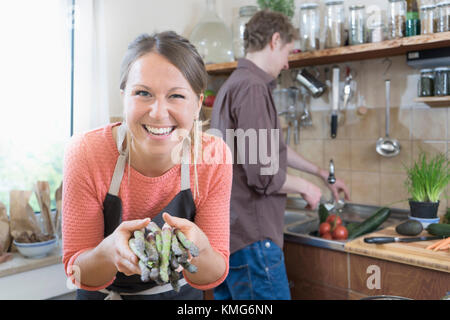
[334,23]
[245,14]
[356,25]
[397,19]
[412,18]
[309,27]
[428,20]
[443,13]
[212,37]
[426,83]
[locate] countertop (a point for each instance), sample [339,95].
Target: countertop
[19,263]
[413,253]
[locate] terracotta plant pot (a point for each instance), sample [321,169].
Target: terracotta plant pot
[425,210]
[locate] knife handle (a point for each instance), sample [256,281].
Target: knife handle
[334,125]
[379,239]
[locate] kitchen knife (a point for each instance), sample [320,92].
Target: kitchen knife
[335,102]
[379,240]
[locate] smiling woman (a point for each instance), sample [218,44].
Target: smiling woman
[118,176]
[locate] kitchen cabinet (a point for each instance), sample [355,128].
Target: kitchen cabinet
[364,51]
[324,274]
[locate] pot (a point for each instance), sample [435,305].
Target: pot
[425,210]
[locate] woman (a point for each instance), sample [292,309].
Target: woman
[118,177]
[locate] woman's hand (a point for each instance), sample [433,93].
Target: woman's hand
[115,247]
[338,187]
[190,230]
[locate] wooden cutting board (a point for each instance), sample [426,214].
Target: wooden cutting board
[413,253]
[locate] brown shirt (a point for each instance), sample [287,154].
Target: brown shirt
[245,102]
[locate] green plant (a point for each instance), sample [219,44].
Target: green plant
[286,7]
[426,180]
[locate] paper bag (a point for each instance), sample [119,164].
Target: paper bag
[42,190]
[5,237]
[22,217]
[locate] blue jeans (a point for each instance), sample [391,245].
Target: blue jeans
[257,272]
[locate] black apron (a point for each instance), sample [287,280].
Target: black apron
[182,206]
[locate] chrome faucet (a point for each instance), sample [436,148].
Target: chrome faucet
[331,176]
[332,204]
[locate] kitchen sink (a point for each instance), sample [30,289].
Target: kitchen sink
[302,225]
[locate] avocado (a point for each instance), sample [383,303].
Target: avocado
[409,228]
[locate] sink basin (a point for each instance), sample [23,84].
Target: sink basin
[302,225]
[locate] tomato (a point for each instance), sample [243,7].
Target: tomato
[324,228]
[331,220]
[327,235]
[340,233]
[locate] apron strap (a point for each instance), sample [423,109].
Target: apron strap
[121,160]
[123,156]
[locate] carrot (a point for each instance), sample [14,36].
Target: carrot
[440,245]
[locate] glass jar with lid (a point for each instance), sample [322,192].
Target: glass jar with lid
[426,83]
[443,16]
[397,19]
[245,14]
[428,20]
[309,27]
[356,25]
[441,81]
[212,37]
[334,23]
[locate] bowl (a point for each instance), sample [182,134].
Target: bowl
[425,222]
[36,249]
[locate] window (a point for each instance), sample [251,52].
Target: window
[35,95]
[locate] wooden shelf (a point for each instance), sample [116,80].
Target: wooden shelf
[435,101]
[364,51]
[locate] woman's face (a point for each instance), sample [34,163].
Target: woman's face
[159,104]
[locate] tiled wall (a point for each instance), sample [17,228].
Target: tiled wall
[374,179]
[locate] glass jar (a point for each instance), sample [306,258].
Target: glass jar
[309,27]
[443,16]
[397,19]
[245,14]
[426,83]
[334,23]
[441,81]
[412,18]
[212,37]
[428,20]
[356,25]
[376,32]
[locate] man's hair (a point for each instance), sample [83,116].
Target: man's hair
[261,27]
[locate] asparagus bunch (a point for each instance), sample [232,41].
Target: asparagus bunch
[161,252]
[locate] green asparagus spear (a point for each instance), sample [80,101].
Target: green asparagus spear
[187,243]
[174,264]
[176,247]
[145,272]
[137,250]
[154,273]
[184,255]
[189,267]
[165,252]
[153,227]
[174,277]
[150,248]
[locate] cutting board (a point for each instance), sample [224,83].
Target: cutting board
[413,253]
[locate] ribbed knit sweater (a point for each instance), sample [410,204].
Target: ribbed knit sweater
[89,163]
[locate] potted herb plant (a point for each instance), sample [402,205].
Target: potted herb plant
[287,7]
[426,180]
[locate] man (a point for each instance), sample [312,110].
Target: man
[258,200]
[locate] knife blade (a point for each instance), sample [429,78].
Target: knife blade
[378,240]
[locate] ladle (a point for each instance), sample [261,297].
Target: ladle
[386,146]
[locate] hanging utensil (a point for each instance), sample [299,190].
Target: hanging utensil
[386,146]
[335,101]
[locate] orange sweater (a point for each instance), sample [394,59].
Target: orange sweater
[89,163]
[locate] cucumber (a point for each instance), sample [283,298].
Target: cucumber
[323,213]
[409,228]
[439,229]
[371,223]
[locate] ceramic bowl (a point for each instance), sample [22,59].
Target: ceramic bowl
[36,249]
[425,222]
